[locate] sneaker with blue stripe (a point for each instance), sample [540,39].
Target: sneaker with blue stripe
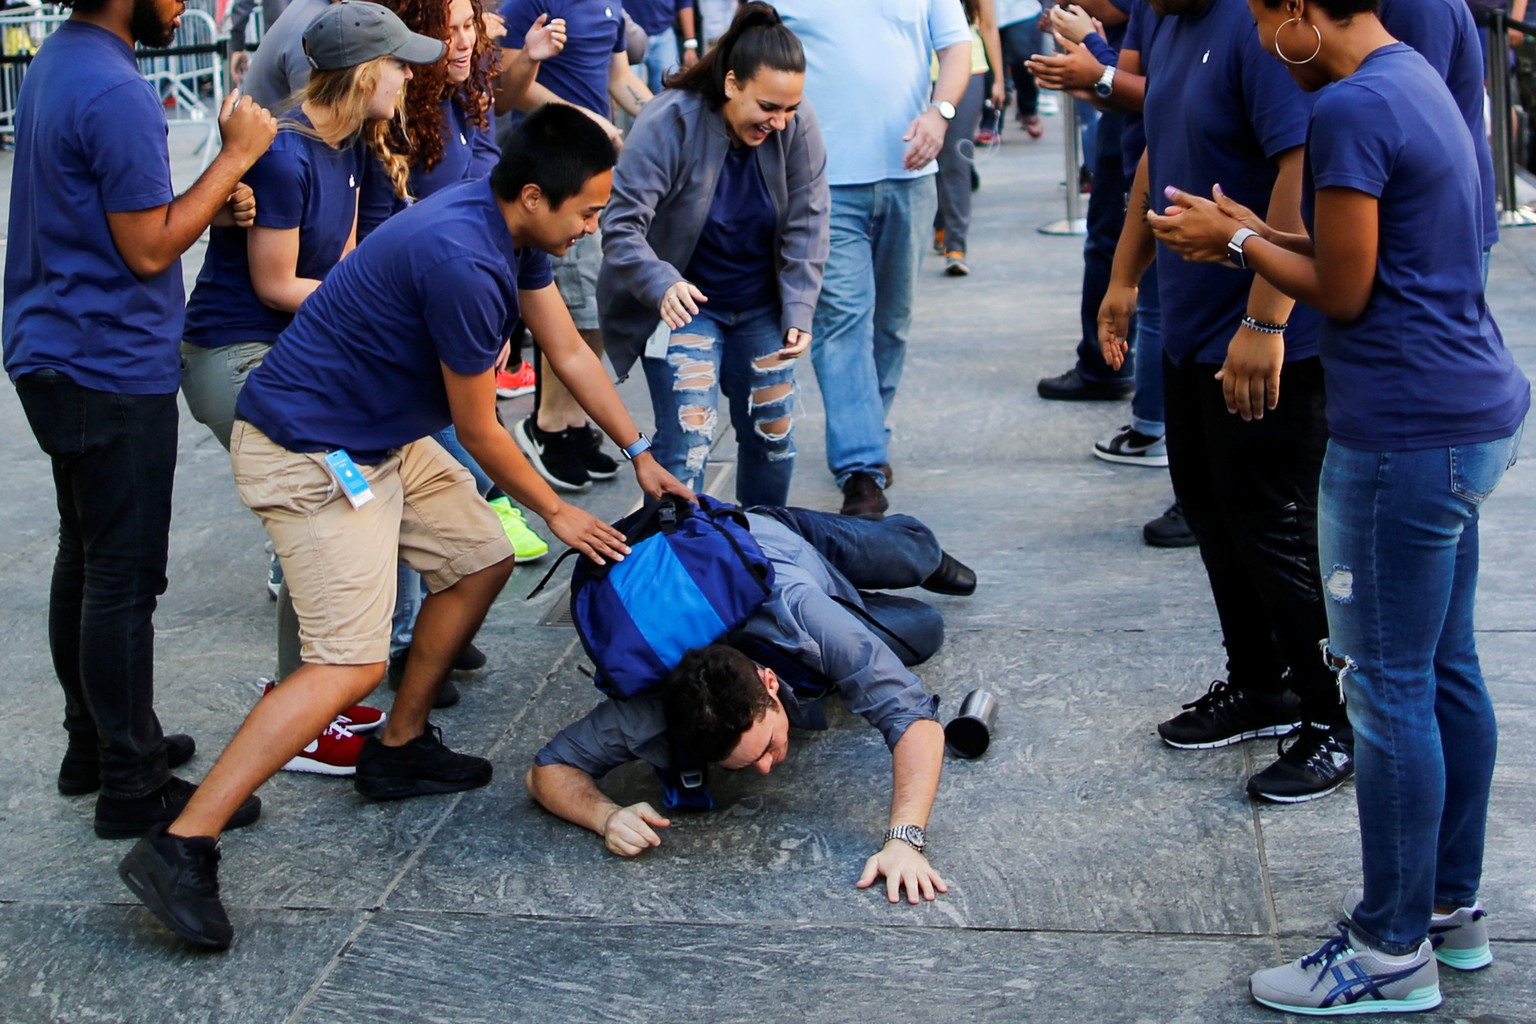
[1460,938]
[1346,976]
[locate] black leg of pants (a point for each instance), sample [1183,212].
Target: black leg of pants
[114,460]
[1249,491]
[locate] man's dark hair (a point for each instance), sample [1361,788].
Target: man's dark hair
[757,38]
[557,148]
[712,698]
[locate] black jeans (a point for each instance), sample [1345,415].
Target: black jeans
[114,459]
[1249,491]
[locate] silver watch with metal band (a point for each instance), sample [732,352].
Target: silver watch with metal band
[1235,247]
[637,449]
[945,108]
[912,835]
[1104,88]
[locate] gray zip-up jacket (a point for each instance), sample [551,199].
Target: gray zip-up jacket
[662,190]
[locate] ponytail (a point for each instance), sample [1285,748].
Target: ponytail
[757,38]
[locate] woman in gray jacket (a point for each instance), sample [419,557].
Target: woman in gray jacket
[713,248]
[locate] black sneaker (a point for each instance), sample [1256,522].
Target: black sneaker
[80,771]
[1317,762]
[1169,530]
[1226,715]
[1072,386]
[177,878]
[117,818]
[557,456]
[419,768]
[598,463]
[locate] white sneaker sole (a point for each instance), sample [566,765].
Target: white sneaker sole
[1152,461]
[310,767]
[1242,737]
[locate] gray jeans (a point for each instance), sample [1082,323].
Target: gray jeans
[955,162]
[211,379]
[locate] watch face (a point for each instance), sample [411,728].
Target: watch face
[946,109]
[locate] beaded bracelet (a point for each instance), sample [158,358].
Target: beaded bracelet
[1263,326]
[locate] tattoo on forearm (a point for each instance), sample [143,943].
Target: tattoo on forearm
[1146,203]
[635,97]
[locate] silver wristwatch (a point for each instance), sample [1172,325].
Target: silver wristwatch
[945,108]
[1235,247]
[912,835]
[1104,88]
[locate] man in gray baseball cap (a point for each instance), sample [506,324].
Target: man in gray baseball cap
[354,32]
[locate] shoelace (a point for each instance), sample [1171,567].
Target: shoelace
[1220,693]
[1334,949]
[1316,753]
[203,869]
[339,729]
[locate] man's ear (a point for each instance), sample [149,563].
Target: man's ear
[770,680]
[531,196]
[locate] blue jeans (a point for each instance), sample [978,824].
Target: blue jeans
[879,232]
[1147,400]
[114,459]
[730,353]
[661,58]
[876,555]
[1397,540]
[409,587]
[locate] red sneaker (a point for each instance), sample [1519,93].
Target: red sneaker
[333,752]
[511,384]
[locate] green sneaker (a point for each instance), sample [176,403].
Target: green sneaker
[526,545]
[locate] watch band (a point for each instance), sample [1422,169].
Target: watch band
[1235,247]
[690,44]
[637,449]
[1104,88]
[912,835]
[945,108]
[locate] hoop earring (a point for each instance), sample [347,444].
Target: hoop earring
[1281,53]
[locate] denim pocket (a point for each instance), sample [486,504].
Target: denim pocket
[1476,469]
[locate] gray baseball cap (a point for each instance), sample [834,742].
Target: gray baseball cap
[354,32]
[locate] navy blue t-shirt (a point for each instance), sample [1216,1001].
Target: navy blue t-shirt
[359,366]
[594,32]
[655,16]
[1446,36]
[733,262]
[90,140]
[1424,366]
[1138,38]
[1219,109]
[468,152]
[300,182]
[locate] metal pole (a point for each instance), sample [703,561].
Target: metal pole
[1072,151]
[1501,106]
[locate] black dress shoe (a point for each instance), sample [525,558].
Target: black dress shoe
[80,771]
[951,577]
[1073,387]
[863,497]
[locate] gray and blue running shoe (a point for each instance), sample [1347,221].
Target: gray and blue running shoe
[1345,977]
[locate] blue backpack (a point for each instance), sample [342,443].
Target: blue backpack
[693,575]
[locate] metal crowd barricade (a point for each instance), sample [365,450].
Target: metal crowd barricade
[1501,105]
[190,76]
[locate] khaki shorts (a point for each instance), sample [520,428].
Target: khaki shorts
[576,279]
[339,562]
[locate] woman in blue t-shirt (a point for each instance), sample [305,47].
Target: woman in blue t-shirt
[306,187]
[1425,408]
[713,250]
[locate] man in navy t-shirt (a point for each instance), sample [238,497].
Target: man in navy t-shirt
[331,448]
[93,303]
[591,73]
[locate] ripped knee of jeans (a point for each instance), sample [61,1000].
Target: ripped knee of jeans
[772,410]
[1339,584]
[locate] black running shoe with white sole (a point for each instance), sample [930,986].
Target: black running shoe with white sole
[1226,715]
[598,463]
[1314,761]
[555,455]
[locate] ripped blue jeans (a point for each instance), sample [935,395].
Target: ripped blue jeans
[731,353]
[1397,545]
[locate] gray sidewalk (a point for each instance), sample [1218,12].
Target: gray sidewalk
[1095,874]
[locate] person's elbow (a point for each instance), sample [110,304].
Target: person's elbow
[1344,307]
[145,263]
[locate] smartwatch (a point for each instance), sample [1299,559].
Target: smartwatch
[945,108]
[1235,247]
[1104,88]
[637,449]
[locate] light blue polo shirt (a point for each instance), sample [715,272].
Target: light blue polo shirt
[867,65]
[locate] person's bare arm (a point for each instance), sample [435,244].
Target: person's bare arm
[1108,14]
[151,240]
[925,135]
[916,764]
[520,68]
[274,260]
[1133,255]
[689,25]
[570,793]
[625,86]
[992,42]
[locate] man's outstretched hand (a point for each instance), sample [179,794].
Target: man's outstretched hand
[630,831]
[902,867]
